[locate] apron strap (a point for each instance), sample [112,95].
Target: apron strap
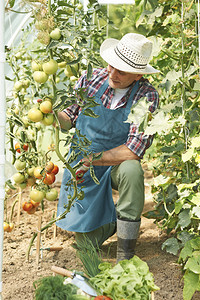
[130,100]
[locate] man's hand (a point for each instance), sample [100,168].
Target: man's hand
[81,171]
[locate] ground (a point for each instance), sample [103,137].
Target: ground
[19,274]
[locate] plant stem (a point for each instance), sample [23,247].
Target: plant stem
[183,95]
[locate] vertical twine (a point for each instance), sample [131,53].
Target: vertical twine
[198,28]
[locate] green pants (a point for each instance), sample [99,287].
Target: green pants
[128,179]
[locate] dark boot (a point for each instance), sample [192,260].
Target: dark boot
[127,233]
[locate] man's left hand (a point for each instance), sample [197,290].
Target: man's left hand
[81,171]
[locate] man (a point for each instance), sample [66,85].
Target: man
[115,88]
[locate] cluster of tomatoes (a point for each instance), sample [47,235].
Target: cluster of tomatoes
[47,176]
[42,112]
[38,178]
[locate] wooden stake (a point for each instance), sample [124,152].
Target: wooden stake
[38,240]
[55,227]
[19,204]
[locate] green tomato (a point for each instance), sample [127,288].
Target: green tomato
[20,165]
[23,185]
[48,119]
[30,171]
[37,195]
[55,34]
[68,71]
[80,6]
[62,64]
[40,76]
[18,85]
[51,195]
[35,115]
[36,66]
[50,67]
[18,178]
[46,106]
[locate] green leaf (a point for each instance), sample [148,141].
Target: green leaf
[90,113]
[11,3]
[184,237]
[195,199]
[191,282]
[184,218]
[196,211]
[171,245]
[138,112]
[89,71]
[178,206]
[174,18]
[193,265]
[185,252]
[196,86]
[195,243]
[187,155]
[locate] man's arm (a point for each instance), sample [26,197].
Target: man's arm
[64,120]
[114,156]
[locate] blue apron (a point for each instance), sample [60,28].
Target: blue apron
[106,132]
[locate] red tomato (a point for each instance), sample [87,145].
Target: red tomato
[49,178]
[18,147]
[25,147]
[32,210]
[55,170]
[102,298]
[27,206]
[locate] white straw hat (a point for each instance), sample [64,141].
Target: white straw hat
[131,54]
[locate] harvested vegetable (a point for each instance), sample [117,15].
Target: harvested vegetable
[129,279]
[52,288]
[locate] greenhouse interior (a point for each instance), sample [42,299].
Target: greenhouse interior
[100,149]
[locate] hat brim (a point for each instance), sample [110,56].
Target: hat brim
[108,53]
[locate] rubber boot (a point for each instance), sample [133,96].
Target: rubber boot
[127,234]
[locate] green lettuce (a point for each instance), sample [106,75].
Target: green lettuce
[129,279]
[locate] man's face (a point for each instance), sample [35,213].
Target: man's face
[119,79]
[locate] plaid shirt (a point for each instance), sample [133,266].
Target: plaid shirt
[136,141]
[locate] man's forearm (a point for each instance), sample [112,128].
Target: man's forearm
[64,120]
[114,156]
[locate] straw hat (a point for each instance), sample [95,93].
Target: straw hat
[131,54]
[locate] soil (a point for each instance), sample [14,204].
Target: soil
[19,274]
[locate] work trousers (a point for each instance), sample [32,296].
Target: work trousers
[128,179]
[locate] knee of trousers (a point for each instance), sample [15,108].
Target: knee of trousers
[131,190]
[131,173]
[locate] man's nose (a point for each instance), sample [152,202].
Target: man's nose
[113,72]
